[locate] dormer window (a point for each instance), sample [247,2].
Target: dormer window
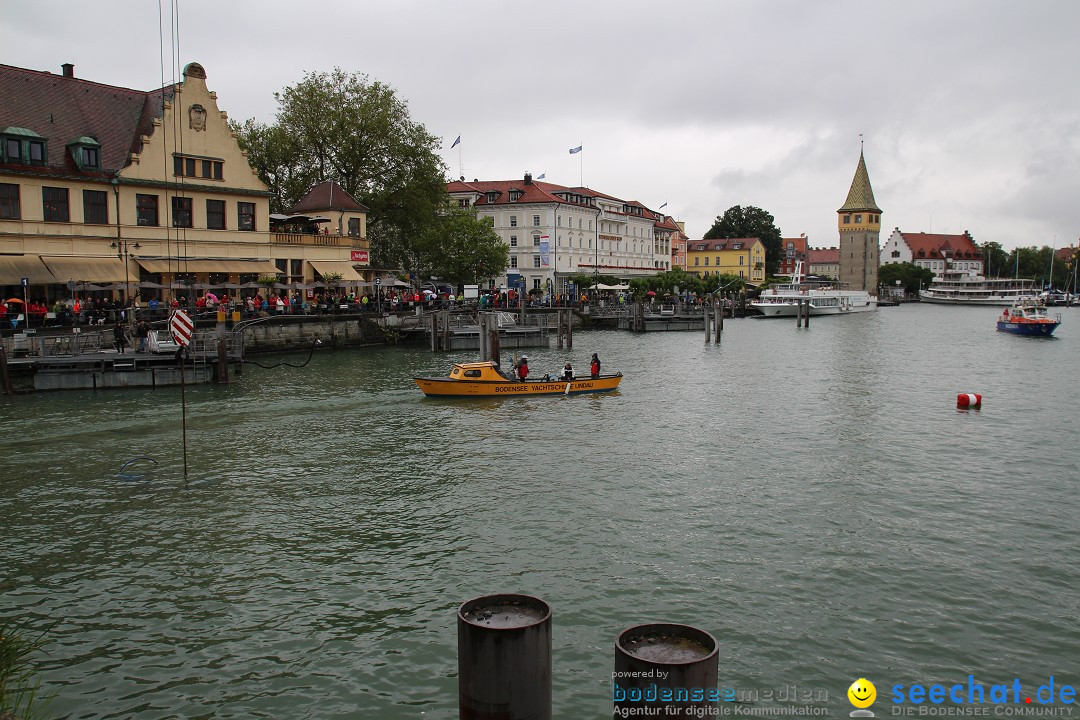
[86,152]
[24,147]
[492,196]
[514,195]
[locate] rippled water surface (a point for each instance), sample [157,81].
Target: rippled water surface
[812,498]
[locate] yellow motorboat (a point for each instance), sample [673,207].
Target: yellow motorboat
[481,379]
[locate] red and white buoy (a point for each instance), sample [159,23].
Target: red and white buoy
[968,400]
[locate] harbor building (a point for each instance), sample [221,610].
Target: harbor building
[794,252]
[140,193]
[554,232]
[859,222]
[824,262]
[741,257]
[934,251]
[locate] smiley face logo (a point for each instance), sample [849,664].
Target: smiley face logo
[862,693]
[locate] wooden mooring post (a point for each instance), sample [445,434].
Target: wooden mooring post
[802,314]
[564,328]
[5,376]
[222,373]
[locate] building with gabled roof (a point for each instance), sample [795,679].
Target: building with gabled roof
[794,251]
[935,251]
[554,232]
[859,222]
[741,257]
[823,262]
[109,189]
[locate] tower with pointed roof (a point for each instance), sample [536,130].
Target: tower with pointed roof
[859,222]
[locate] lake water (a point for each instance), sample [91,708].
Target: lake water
[813,498]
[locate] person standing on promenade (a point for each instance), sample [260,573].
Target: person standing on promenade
[119,339]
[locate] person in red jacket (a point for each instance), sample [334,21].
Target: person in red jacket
[594,367]
[523,368]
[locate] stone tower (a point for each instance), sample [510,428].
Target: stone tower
[859,222]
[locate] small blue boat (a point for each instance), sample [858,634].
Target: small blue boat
[1028,316]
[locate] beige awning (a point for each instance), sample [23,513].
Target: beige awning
[89,269]
[13,268]
[233,267]
[338,267]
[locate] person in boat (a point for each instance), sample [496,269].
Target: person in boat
[594,367]
[522,367]
[567,372]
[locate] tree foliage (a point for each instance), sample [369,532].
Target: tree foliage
[357,132]
[749,222]
[912,277]
[460,248]
[995,260]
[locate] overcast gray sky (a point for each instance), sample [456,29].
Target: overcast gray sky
[970,109]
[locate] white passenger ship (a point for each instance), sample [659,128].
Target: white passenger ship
[954,287]
[826,298]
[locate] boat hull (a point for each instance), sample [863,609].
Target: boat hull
[1035,329]
[791,309]
[447,387]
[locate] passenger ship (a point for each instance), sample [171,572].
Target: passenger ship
[954,287]
[825,298]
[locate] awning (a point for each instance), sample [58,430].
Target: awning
[232,267]
[337,267]
[13,268]
[89,269]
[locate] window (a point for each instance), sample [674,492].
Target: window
[536,241]
[742,260]
[12,151]
[181,212]
[513,241]
[9,202]
[463,203]
[215,214]
[296,268]
[245,216]
[513,261]
[37,152]
[536,261]
[514,195]
[896,253]
[536,221]
[847,219]
[95,207]
[189,167]
[513,221]
[146,209]
[696,261]
[219,169]
[89,158]
[55,204]
[354,227]
[858,219]
[207,169]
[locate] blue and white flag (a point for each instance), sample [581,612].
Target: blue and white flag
[575,150]
[663,206]
[456,142]
[541,176]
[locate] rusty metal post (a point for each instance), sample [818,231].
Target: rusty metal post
[433,322]
[569,329]
[558,328]
[666,665]
[222,353]
[485,349]
[504,658]
[707,310]
[806,320]
[722,303]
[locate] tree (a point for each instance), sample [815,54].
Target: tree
[357,132]
[750,222]
[460,248]
[995,260]
[911,276]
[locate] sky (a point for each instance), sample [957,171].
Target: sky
[969,109]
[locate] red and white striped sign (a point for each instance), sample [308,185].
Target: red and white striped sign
[181,327]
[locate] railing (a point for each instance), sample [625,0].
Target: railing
[320,240]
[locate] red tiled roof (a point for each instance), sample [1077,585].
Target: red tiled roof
[935,245]
[823,256]
[798,242]
[327,195]
[722,244]
[61,109]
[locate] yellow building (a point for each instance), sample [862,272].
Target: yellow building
[131,192]
[741,257]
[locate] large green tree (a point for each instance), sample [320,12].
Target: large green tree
[912,277]
[344,127]
[995,260]
[748,222]
[460,248]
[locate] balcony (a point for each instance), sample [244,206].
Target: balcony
[319,240]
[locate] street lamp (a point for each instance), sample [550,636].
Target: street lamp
[123,253]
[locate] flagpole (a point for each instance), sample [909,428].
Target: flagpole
[581,165]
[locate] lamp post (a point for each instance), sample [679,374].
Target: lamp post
[124,253]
